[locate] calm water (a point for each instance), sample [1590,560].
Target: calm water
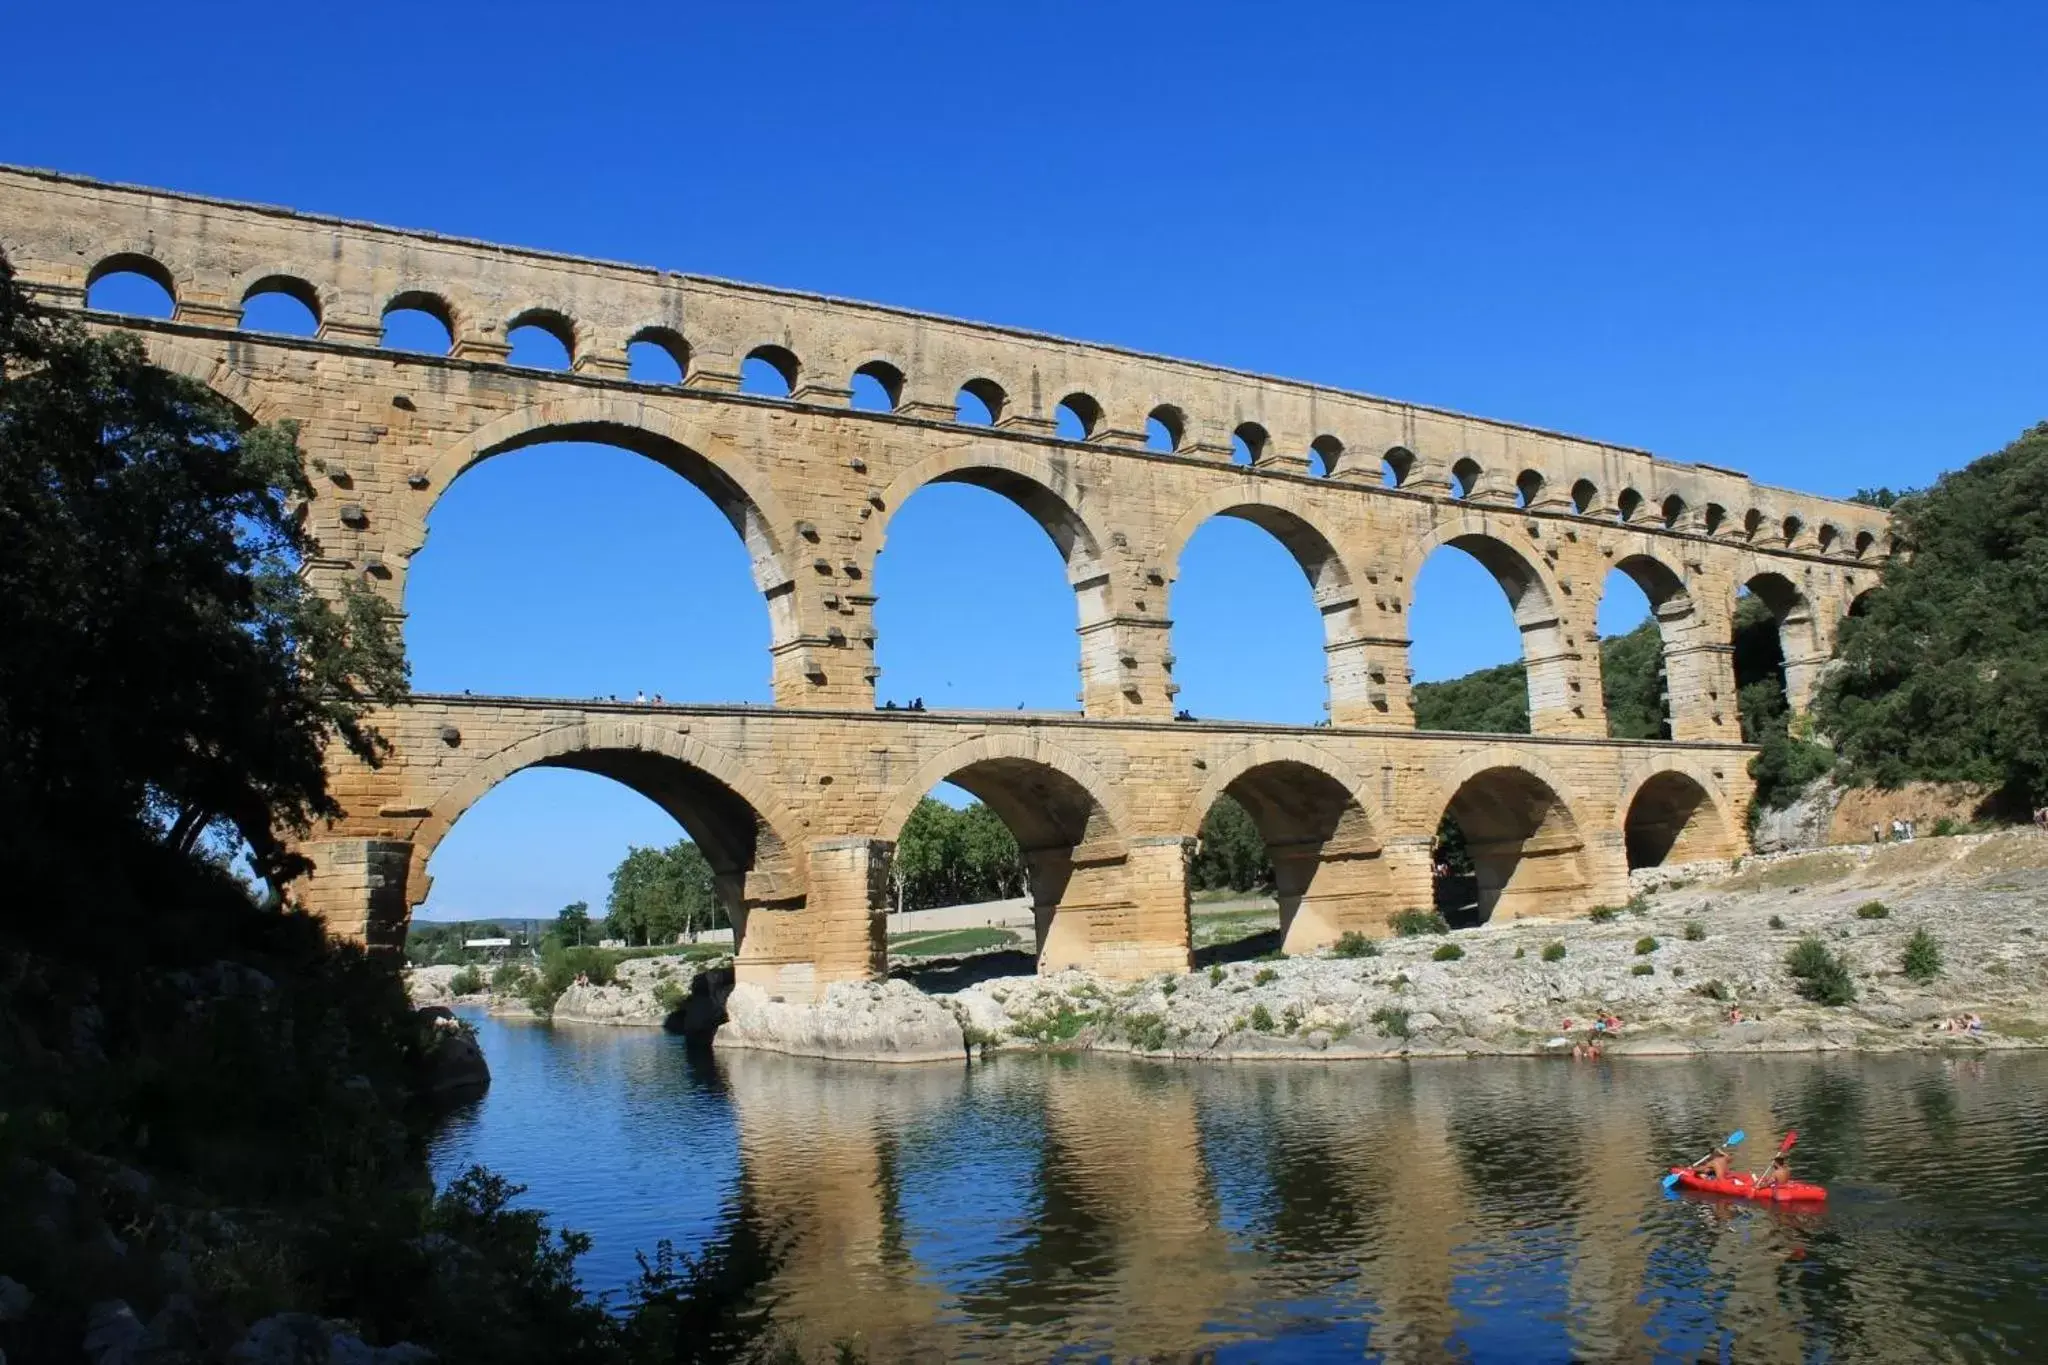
[1075,1208]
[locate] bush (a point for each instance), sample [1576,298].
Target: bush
[1695,931]
[1447,952]
[1168,987]
[1946,826]
[1415,923]
[1553,951]
[510,978]
[1392,1022]
[468,981]
[1777,921]
[1147,1032]
[1642,969]
[1645,946]
[1714,990]
[1354,944]
[670,995]
[1601,914]
[1921,961]
[1873,910]
[1265,977]
[1521,953]
[1262,1019]
[1822,977]
[1216,975]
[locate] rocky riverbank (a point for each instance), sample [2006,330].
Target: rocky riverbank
[1695,964]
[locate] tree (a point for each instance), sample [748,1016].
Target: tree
[167,666]
[572,925]
[1632,683]
[946,856]
[1231,853]
[1944,673]
[658,893]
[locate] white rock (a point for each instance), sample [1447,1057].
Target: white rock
[879,1021]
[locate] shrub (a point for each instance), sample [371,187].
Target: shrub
[509,978]
[1553,951]
[1061,1026]
[1447,952]
[1601,914]
[468,981]
[1638,905]
[1392,1022]
[1694,931]
[1921,961]
[1354,944]
[1415,923]
[1261,1019]
[1642,969]
[1714,990]
[1168,987]
[1873,910]
[1290,1019]
[1147,1032]
[1777,921]
[1946,826]
[1645,946]
[1822,977]
[1521,953]
[1216,975]
[1265,977]
[670,995]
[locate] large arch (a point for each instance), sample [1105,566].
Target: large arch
[742,829]
[1696,673]
[1801,653]
[1529,857]
[216,374]
[1331,583]
[1320,834]
[1673,813]
[1555,706]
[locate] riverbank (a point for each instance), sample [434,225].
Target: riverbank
[1676,966]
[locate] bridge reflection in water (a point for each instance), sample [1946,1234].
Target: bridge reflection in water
[1483,1210]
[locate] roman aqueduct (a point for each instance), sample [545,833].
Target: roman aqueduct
[797,804]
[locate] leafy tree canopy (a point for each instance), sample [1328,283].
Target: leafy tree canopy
[948,856]
[658,893]
[1231,854]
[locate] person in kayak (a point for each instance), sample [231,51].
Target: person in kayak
[1780,1173]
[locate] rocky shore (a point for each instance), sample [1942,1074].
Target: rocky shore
[1697,945]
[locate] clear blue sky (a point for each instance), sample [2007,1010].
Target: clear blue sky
[1803,244]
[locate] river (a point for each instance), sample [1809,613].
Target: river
[1076,1208]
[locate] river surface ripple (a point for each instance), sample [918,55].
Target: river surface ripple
[1076,1208]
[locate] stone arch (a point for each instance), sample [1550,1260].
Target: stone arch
[175,280]
[743,830]
[1673,812]
[256,283]
[215,373]
[1073,830]
[1528,850]
[1321,833]
[1802,649]
[1693,685]
[1555,705]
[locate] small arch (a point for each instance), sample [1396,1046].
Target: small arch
[980,403]
[1396,465]
[1673,818]
[769,372]
[1528,488]
[1077,418]
[1324,452]
[541,339]
[1825,538]
[416,320]
[657,355]
[1628,505]
[1165,429]
[1752,524]
[283,305]
[1527,855]
[1672,510]
[134,284]
[1859,605]
[1792,527]
[1585,496]
[876,387]
[1248,443]
[1465,476]
[1864,543]
[1714,518]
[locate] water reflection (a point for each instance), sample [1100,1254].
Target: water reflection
[1082,1207]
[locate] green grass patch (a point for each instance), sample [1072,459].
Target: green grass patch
[1777,921]
[1147,1032]
[1646,945]
[1352,944]
[1643,969]
[1873,910]
[1447,952]
[1553,951]
[1603,914]
[1261,1019]
[1265,976]
[952,942]
[468,981]
[1695,932]
[1062,1025]
[1392,1022]
[1415,923]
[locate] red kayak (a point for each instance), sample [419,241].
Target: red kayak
[1739,1187]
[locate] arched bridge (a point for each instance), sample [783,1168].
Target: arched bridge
[797,805]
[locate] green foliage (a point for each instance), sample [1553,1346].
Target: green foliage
[1447,952]
[1777,921]
[1604,914]
[1265,976]
[1879,497]
[1646,945]
[1216,975]
[1521,953]
[1821,976]
[1261,1019]
[468,981]
[1643,969]
[1947,827]
[509,978]
[660,893]
[1415,923]
[951,942]
[1489,701]
[1943,672]
[1231,854]
[1063,1025]
[1553,951]
[1147,1032]
[670,995]
[1168,987]
[1352,944]
[955,857]
[1921,961]
[1392,1022]
[572,926]
[1873,910]
[1632,683]
[1714,989]
[1695,932]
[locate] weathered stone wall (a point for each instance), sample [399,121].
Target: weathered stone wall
[1104,801]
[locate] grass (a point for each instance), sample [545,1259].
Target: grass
[1415,923]
[1447,952]
[1643,969]
[1392,1022]
[1695,932]
[1645,946]
[1147,1032]
[1230,926]
[1822,977]
[1921,961]
[1714,990]
[1063,1025]
[1873,910]
[1266,976]
[951,942]
[670,996]
[1216,975]
[1602,914]
[1553,951]
[1352,944]
[1261,1019]
[1521,953]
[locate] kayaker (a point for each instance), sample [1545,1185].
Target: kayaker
[1717,1164]
[1780,1173]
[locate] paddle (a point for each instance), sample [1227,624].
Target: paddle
[1734,1139]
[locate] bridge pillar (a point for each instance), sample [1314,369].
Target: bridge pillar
[1368,680]
[357,887]
[1325,893]
[1122,916]
[838,935]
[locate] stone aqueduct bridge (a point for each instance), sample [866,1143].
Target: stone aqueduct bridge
[797,804]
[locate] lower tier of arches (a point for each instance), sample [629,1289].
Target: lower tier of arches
[798,814]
